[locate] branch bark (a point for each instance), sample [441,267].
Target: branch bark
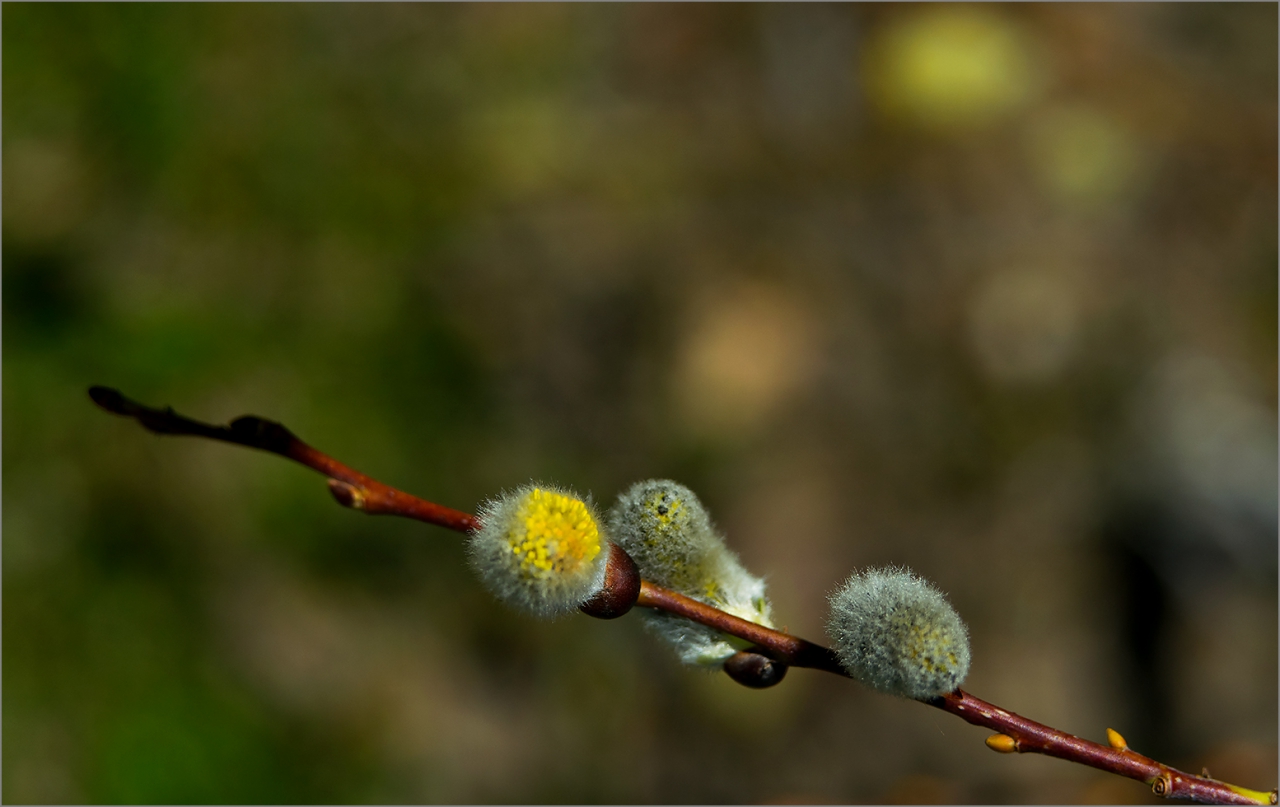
[1015,734]
[350,487]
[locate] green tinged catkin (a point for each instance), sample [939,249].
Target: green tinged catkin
[896,633]
[667,531]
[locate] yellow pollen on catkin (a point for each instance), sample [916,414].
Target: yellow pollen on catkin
[665,512]
[554,534]
[928,647]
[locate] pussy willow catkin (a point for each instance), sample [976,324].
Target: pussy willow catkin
[665,528]
[896,633]
[540,549]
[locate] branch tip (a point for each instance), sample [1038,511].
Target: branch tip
[110,400]
[355,490]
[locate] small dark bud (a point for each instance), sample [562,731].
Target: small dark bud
[621,587]
[262,433]
[754,670]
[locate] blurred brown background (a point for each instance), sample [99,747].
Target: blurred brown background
[989,291]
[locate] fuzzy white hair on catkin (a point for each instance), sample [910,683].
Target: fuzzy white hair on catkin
[896,633]
[667,531]
[540,549]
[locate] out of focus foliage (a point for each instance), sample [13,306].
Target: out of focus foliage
[988,291]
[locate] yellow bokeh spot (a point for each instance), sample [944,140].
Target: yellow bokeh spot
[553,534]
[951,67]
[1083,157]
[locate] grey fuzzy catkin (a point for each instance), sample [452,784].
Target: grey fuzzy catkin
[896,632]
[667,531]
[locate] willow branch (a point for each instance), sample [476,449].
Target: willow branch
[1015,734]
[350,487]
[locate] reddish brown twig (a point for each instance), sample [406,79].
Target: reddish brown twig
[1016,734]
[793,650]
[350,487]
[1020,735]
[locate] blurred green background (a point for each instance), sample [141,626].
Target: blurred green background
[989,291]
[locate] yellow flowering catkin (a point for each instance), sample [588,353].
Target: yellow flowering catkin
[540,549]
[667,531]
[896,633]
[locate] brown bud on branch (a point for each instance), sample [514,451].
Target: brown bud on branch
[754,670]
[621,587]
